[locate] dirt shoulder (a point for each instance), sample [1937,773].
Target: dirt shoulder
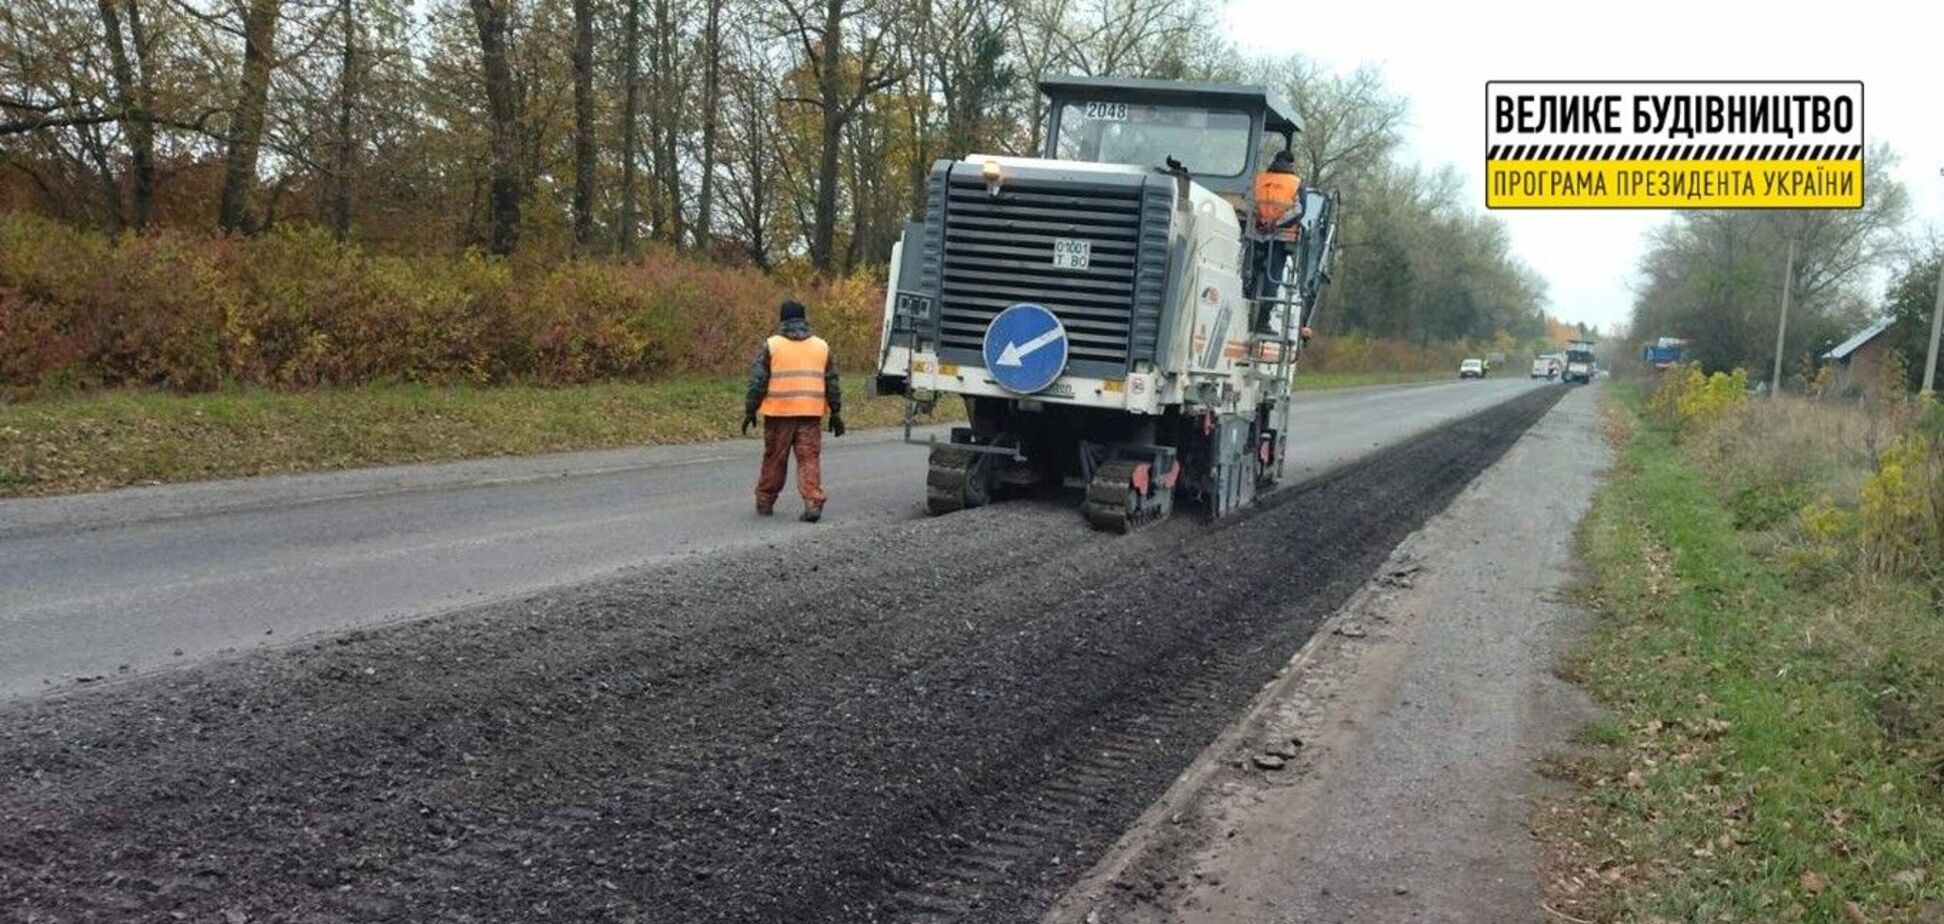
[1390,773]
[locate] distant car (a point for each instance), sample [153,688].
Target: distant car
[1544,368]
[1471,369]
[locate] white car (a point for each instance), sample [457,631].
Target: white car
[1471,369]
[1544,368]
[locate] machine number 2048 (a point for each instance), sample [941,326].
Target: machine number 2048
[1107,112]
[1071,253]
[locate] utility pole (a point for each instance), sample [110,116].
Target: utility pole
[1782,326]
[1937,324]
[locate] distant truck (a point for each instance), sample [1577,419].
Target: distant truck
[1547,366]
[1581,365]
[1665,352]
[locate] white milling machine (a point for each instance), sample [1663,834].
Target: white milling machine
[1104,310]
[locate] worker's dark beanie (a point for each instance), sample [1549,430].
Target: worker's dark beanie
[792,311]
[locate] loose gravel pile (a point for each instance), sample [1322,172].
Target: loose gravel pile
[944,719]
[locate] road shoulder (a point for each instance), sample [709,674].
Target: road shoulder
[1390,772]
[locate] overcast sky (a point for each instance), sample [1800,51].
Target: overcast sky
[1440,56]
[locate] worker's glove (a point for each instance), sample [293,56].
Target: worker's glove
[836,425]
[749,420]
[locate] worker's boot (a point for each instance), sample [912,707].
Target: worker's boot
[812,513]
[763,510]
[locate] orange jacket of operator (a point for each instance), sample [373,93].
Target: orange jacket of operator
[796,377]
[1275,195]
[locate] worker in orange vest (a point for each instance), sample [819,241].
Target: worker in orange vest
[1278,217]
[793,383]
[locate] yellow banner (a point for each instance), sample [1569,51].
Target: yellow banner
[1661,184]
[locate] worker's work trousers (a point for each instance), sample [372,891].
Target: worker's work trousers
[1273,256]
[782,436]
[1269,270]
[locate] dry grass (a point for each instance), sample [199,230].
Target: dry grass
[118,438]
[115,439]
[1774,751]
[1307,380]
[1832,446]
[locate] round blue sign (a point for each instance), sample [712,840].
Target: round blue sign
[1025,348]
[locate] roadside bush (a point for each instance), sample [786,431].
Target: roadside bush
[1827,543]
[147,311]
[1899,532]
[295,309]
[1861,484]
[1356,353]
[1687,401]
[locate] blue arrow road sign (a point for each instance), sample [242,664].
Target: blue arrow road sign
[1025,348]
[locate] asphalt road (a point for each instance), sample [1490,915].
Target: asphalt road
[104,586]
[932,720]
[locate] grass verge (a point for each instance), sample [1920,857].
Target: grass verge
[115,439]
[66,445]
[1317,381]
[1754,767]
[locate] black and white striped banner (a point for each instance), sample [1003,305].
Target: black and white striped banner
[1796,152]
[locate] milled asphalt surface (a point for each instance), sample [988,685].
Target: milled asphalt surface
[106,586]
[927,720]
[1423,721]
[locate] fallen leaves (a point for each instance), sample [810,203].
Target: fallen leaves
[118,438]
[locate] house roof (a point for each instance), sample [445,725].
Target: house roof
[1867,334]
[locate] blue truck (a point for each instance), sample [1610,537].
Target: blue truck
[1665,352]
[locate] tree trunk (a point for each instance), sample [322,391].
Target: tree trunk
[347,100]
[824,213]
[490,16]
[657,113]
[583,122]
[141,138]
[668,107]
[131,98]
[756,183]
[918,112]
[830,87]
[246,121]
[630,113]
[711,101]
[111,199]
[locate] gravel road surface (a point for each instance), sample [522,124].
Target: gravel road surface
[944,719]
[120,583]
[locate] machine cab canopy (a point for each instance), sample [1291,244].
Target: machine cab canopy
[1223,133]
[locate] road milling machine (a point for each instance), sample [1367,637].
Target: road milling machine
[1109,312]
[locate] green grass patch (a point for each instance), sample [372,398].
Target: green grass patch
[69,444]
[114,439]
[1750,770]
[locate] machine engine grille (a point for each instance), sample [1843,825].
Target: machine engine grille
[999,251]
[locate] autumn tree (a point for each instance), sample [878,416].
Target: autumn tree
[1714,277]
[844,76]
[491,18]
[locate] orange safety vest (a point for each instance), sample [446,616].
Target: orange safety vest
[796,379]
[1275,195]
